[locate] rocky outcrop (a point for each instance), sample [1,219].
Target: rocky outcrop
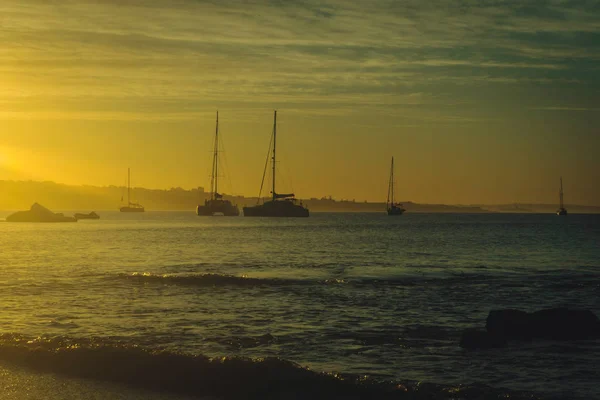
[512,324]
[550,324]
[553,323]
[38,213]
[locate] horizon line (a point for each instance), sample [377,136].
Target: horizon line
[304,199]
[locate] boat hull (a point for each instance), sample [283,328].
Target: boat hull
[282,208]
[561,211]
[218,207]
[91,215]
[132,209]
[395,211]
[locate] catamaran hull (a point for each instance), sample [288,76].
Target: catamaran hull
[276,209]
[91,215]
[132,209]
[218,208]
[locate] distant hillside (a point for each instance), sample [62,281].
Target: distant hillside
[330,205]
[20,195]
[15,195]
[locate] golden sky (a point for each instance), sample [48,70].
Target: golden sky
[479,101]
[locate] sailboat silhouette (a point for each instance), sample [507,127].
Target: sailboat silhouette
[392,208]
[130,207]
[281,204]
[216,204]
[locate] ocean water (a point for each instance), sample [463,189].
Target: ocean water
[168,302]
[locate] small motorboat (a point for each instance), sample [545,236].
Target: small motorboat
[91,215]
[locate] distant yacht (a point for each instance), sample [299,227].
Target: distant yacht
[392,208]
[280,205]
[216,205]
[561,210]
[131,207]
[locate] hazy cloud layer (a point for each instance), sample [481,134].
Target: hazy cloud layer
[172,59]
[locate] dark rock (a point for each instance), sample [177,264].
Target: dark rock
[550,324]
[510,324]
[480,339]
[553,323]
[38,213]
[565,324]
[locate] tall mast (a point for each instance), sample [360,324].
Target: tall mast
[561,194]
[391,186]
[128,186]
[392,179]
[214,180]
[274,146]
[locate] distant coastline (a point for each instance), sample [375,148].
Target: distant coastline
[19,195]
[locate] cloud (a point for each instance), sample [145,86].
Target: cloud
[168,57]
[563,108]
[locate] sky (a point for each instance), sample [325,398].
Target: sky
[480,102]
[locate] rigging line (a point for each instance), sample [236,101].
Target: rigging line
[289,177]
[225,165]
[284,176]
[226,172]
[208,173]
[202,194]
[262,183]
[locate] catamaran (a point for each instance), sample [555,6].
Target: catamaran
[131,207]
[392,208]
[280,205]
[216,205]
[561,210]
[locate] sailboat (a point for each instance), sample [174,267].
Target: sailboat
[561,210]
[392,208]
[280,205]
[216,205]
[131,207]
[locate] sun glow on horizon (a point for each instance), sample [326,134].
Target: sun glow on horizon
[11,159]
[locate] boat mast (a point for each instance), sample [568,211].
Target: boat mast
[391,186]
[274,145]
[214,180]
[392,179]
[561,194]
[128,186]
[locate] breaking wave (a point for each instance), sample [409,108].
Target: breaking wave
[224,378]
[211,280]
[551,281]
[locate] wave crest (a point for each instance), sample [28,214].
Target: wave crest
[208,279]
[223,377]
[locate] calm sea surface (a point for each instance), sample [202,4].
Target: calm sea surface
[361,294]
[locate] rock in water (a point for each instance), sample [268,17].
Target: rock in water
[565,324]
[509,324]
[38,213]
[550,324]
